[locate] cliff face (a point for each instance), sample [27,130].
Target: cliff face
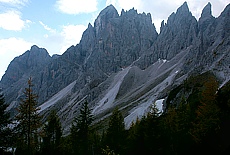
[179,33]
[31,63]
[32,60]
[122,61]
[211,49]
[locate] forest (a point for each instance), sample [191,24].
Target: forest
[196,120]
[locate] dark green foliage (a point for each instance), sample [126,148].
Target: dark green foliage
[52,135]
[4,119]
[28,119]
[143,135]
[115,135]
[223,97]
[196,121]
[174,127]
[207,113]
[192,125]
[190,89]
[5,131]
[223,100]
[80,131]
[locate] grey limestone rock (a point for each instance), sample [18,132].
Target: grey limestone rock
[122,61]
[32,60]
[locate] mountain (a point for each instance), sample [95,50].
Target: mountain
[122,61]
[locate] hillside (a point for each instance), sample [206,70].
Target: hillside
[121,61]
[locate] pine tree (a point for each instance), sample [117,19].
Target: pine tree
[174,127]
[115,135]
[208,112]
[4,119]
[135,139]
[28,121]
[80,131]
[53,133]
[5,131]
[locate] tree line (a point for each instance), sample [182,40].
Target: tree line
[199,123]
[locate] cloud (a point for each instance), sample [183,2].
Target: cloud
[218,6]
[9,48]
[11,20]
[58,41]
[72,35]
[113,2]
[76,6]
[46,27]
[126,5]
[14,2]
[14,45]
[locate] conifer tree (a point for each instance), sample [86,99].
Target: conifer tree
[4,119]
[5,131]
[208,112]
[28,121]
[115,135]
[134,139]
[174,128]
[80,131]
[53,133]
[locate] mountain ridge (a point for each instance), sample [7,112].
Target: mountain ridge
[122,61]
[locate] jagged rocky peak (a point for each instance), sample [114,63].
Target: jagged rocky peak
[207,12]
[130,12]
[133,12]
[224,21]
[122,12]
[88,38]
[90,26]
[183,9]
[32,60]
[101,64]
[162,25]
[34,57]
[38,54]
[181,31]
[206,18]
[181,14]
[104,16]
[226,12]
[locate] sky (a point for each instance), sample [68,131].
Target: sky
[57,24]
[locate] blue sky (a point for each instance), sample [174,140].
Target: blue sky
[58,24]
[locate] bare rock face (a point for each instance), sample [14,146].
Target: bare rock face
[32,60]
[179,33]
[29,64]
[114,42]
[211,51]
[206,25]
[102,23]
[122,60]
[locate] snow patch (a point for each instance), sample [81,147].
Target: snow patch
[61,94]
[142,110]
[224,83]
[161,62]
[138,112]
[159,104]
